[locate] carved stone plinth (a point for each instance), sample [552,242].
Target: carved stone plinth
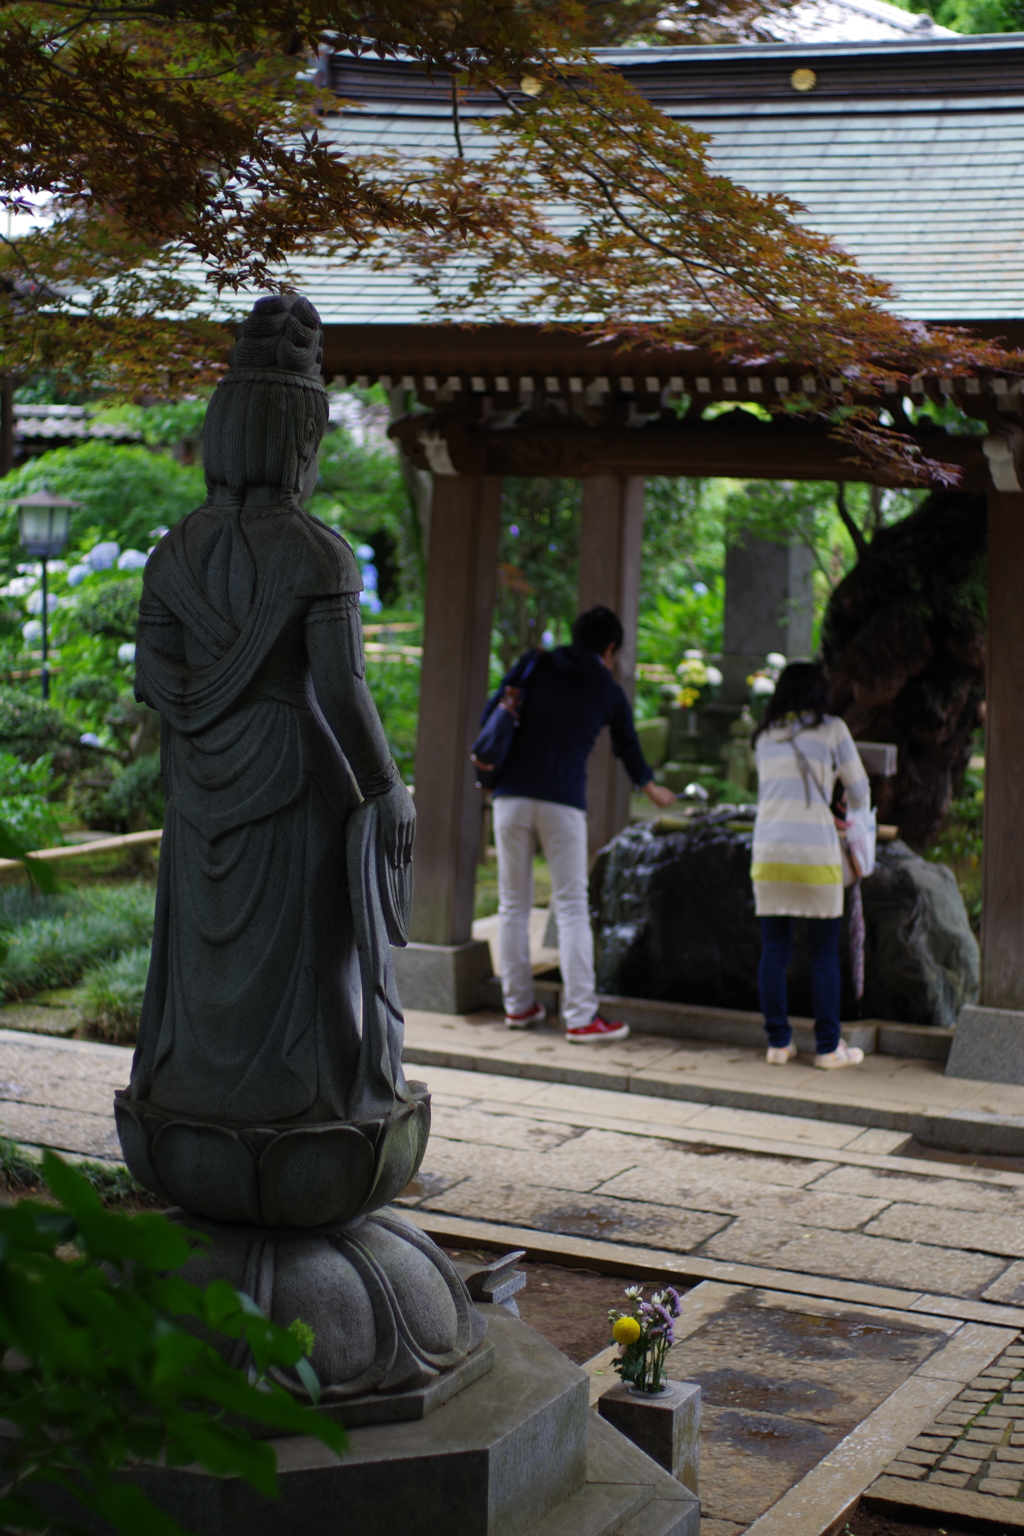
[389,1313]
[288,1176]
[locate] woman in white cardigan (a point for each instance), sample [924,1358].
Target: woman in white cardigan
[797,865]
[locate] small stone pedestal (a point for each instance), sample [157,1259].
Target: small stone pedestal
[442,978]
[988,1045]
[666,1428]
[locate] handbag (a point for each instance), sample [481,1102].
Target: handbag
[861,836]
[489,752]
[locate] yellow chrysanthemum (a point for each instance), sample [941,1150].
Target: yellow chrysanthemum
[626,1330]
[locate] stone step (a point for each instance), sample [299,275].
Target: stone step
[625,1494]
[939,1112]
[731,1026]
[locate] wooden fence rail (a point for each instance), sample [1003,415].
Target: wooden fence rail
[79,850]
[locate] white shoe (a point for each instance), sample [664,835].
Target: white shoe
[778,1055]
[843,1056]
[535,1015]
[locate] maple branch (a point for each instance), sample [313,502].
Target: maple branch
[860,543]
[455,119]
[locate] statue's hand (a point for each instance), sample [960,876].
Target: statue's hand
[398,824]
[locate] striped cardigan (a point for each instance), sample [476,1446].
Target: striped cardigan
[797,865]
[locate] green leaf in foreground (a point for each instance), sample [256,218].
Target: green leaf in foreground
[106,1362]
[39,873]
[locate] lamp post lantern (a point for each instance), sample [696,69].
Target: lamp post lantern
[43,525]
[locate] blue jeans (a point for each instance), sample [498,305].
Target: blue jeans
[776,953]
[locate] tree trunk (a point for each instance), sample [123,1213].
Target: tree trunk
[904,644]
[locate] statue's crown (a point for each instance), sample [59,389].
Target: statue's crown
[281,334]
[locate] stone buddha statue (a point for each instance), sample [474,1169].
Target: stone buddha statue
[267,1095]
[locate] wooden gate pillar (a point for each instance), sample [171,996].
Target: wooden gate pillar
[1002,941]
[989,1040]
[611,538]
[442,968]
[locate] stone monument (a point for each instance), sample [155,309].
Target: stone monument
[267,1096]
[769,606]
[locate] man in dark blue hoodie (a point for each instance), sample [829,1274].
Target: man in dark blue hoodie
[541,797]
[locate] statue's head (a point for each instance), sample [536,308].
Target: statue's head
[269,412]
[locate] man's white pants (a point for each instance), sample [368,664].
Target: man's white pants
[519,823]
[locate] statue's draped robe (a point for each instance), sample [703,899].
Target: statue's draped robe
[252,1008]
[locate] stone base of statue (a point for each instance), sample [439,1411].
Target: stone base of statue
[395,1331]
[294,1175]
[518,1451]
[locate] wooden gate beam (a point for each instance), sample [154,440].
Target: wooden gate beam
[732,445]
[1002,945]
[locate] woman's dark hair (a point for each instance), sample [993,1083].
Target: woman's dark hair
[801,690]
[597,629]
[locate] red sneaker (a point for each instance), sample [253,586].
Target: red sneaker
[535,1015]
[598,1029]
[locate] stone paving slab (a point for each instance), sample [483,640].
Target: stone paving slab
[736,1197]
[936,1191]
[820,1212]
[990,1234]
[545,1210]
[1009,1286]
[852,1255]
[64,1130]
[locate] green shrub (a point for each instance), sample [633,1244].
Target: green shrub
[29,728]
[30,819]
[118,1360]
[24,808]
[123,491]
[138,788]
[21,1169]
[109,608]
[112,995]
[56,951]
[94,687]
[87,795]
[395,686]
[109,798]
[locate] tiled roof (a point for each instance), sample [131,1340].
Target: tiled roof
[908,153]
[46,423]
[849,21]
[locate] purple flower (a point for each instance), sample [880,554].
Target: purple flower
[674,1301]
